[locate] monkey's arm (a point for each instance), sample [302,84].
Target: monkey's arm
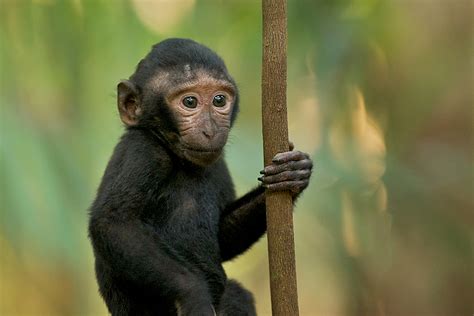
[133,251]
[243,222]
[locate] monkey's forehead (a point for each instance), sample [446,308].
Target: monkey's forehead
[187,76]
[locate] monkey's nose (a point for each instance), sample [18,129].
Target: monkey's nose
[209,134]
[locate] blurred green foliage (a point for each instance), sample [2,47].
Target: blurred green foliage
[380,93]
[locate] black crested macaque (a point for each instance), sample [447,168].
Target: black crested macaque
[166,217]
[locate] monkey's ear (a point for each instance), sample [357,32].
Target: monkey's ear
[128,102]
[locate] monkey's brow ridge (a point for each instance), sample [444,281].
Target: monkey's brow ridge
[183,87]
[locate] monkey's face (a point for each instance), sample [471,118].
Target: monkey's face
[192,110]
[202,108]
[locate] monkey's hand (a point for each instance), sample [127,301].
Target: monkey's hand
[289,171]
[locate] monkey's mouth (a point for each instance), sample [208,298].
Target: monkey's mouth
[205,151]
[201,156]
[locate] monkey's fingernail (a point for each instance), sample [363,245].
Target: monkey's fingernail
[260,178]
[262,172]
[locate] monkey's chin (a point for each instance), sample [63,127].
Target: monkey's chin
[201,157]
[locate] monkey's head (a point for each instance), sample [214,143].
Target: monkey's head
[181,91]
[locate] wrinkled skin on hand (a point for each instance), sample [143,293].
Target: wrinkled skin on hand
[289,171]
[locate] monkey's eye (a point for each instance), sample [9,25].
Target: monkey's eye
[219,100]
[190,102]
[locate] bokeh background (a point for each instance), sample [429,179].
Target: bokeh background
[380,93]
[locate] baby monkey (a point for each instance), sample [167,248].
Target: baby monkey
[166,216]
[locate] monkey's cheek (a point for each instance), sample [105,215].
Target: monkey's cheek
[202,158]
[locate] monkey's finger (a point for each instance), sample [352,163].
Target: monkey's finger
[292,165]
[293,186]
[290,156]
[287,176]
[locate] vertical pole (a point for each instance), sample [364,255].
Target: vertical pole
[281,248]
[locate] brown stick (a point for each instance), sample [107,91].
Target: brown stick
[281,248]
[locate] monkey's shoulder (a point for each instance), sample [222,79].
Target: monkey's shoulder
[138,164]
[139,156]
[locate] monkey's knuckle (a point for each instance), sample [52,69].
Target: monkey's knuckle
[305,173]
[297,154]
[269,170]
[281,168]
[292,165]
[279,155]
[286,175]
[308,164]
[270,179]
[270,187]
[296,174]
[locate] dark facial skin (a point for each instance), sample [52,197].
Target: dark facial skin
[166,216]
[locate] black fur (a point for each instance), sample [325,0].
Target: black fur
[160,226]
[175,52]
